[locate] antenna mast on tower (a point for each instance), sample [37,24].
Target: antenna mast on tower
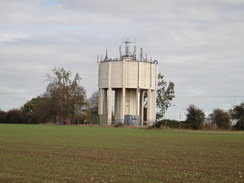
[127,41]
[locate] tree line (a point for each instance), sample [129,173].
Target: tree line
[218,119]
[65,102]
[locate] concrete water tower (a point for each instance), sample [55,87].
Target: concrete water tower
[124,81]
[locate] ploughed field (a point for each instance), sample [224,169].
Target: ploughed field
[53,153]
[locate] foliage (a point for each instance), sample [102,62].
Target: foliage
[15,116]
[220,118]
[65,98]
[238,113]
[184,125]
[194,117]
[30,106]
[63,101]
[93,102]
[165,95]
[2,116]
[167,123]
[33,112]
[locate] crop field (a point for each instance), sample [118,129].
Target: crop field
[53,153]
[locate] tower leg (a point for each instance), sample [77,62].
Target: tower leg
[123,105]
[149,106]
[153,106]
[109,106]
[138,101]
[101,101]
[142,108]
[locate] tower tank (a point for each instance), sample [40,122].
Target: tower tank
[123,84]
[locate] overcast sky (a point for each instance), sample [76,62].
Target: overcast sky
[199,45]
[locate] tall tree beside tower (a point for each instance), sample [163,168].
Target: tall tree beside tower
[165,95]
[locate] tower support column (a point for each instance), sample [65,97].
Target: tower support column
[149,106]
[138,101]
[123,105]
[109,96]
[142,108]
[109,106]
[101,101]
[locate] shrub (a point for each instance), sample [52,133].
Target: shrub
[194,117]
[238,114]
[220,118]
[167,123]
[15,116]
[2,116]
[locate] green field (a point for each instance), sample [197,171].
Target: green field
[52,153]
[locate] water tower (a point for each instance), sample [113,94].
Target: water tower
[122,85]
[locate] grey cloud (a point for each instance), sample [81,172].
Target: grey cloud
[199,44]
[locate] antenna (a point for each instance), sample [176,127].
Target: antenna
[141,55]
[106,57]
[120,53]
[127,48]
[127,41]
